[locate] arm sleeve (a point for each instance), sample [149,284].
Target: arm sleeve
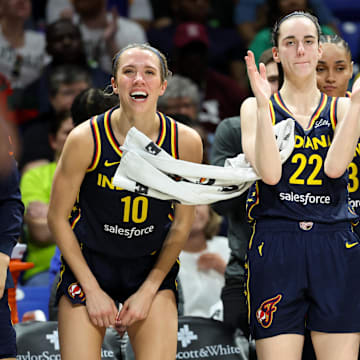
[227,144]
[33,186]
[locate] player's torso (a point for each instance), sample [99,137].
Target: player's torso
[113,220]
[304,191]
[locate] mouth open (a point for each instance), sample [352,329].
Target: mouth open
[138,95]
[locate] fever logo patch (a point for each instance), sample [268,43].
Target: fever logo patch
[265,313]
[75,291]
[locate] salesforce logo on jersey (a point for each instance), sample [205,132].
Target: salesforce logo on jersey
[207,338]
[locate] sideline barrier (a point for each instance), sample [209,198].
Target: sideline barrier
[37,340]
[202,338]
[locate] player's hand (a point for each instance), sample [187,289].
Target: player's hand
[210,261]
[112,26]
[101,308]
[258,80]
[135,308]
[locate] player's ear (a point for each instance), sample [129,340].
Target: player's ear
[114,86]
[275,53]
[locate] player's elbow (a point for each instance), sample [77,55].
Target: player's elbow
[273,180]
[272,177]
[333,171]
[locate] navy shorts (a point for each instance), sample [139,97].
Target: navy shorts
[303,275]
[118,277]
[7,332]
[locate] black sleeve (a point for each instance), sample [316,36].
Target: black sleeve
[227,144]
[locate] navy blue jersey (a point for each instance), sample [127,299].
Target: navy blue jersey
[114,221]
[11,212]
[304,192]
[354,177]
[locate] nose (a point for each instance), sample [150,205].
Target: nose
[330,76]
[300,48]
[138,77]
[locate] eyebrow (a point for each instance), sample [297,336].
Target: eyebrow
[145,66]
[293,37]
[336,62]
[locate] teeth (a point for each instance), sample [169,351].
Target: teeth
[138,93]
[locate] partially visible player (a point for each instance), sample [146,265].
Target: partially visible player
[11,216]
[334,72]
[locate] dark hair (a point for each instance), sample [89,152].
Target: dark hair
[275,30]
[212,227]
[164,71]
[66,75]
[91,102]
[266,57]
[56,123]
[337,40]
[50,28]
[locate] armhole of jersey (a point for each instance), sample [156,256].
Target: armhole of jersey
[97,143]
[174,139]
[272,112]
[333,111]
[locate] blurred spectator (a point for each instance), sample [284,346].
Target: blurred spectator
[275,10]
[220,13]
[250,16]
[104,33]
[7,125]
[203,262]
[221,96]
[64,45]
[226,50]
[35,188]
[64,83]
[138,10]
[22,51]
[182,96]
[91,102]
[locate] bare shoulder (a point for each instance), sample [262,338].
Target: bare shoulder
[356,84]
[79,146]
[248,105]
[190,144]
[343,105]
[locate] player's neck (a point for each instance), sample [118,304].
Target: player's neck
[301,101]
[122,122]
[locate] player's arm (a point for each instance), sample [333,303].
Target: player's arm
[72,166]
[346,136]
[11,215]
[137,306]
[258,137]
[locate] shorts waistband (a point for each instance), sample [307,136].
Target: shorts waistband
[292,225]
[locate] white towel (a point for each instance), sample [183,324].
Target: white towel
[147,169]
